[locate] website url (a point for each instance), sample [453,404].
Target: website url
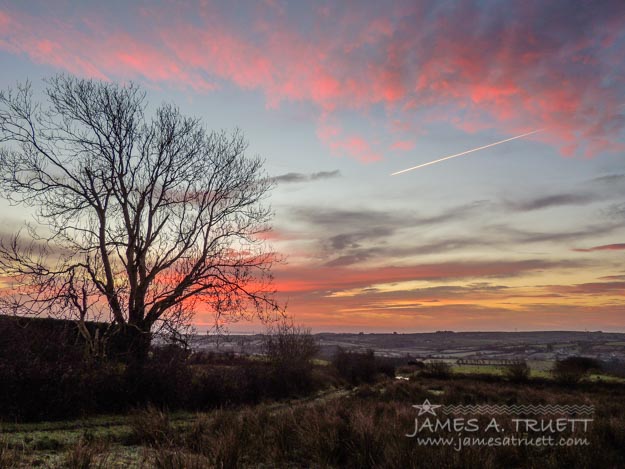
[461,442]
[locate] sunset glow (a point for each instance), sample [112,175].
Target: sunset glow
[529,235]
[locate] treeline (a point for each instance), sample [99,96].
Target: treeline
[46,373]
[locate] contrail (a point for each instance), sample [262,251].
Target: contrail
[468,151]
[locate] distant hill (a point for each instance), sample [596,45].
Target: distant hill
[537,345]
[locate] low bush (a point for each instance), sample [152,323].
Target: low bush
[614,367]
[290,350]
[64,389]
[359,367]
[437,369]
[517,372]
[572,370]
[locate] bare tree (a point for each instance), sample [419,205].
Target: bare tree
[139,219]
[287,344]
[290,350]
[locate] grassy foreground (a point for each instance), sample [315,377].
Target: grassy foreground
[359,427]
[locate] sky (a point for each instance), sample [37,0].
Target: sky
[337,96]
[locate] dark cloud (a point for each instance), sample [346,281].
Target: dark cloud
[610,179]
[521,236]
[339,220]
[555,200]
[357,225]
[616,211]
[461,212]
[343,232]
[604,247]
[350,259]
[325,175]
[300,177]
[450,244]
[603,188]
[339,277]
[291,177]
[613,277]
[356,255]
[594,288]
[352,240]
[351,236]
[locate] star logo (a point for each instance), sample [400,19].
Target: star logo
[426,408]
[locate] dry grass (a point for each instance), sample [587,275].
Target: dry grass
[176,458]
[9,456]
[151,426]
[86,454]
[368,430]
[363,429]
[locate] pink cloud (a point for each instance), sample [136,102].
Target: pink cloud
[352,145]
[403,145]
[515,68]
[356,147]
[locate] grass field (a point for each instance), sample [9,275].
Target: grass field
[538,369]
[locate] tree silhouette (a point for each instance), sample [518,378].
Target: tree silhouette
[138,220]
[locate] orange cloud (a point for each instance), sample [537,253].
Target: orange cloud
[323,278]
[407,312]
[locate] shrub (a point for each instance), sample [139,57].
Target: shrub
[164,380]
[385,366]
[572,370]
[37,390]
[290,350]
[41,382]
[355,367]
[437,369]
[287,344]
[518,372]
[359,367]
[614,367]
